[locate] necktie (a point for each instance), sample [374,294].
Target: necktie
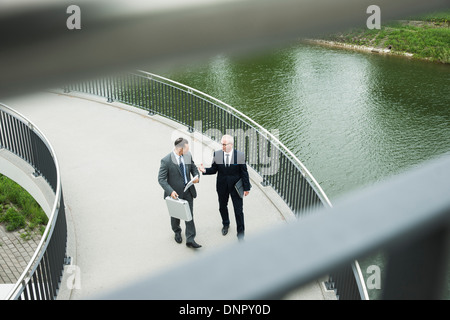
[227,162]
[183,172]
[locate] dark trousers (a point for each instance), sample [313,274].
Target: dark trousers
[238,203]
[190,226]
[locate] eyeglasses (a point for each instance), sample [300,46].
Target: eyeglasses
[225,144]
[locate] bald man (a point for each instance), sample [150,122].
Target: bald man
[230,166]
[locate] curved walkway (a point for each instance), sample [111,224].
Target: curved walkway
[119,228]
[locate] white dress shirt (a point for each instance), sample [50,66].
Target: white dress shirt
[230,156]
[181,158]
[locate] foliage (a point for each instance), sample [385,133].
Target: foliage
[440,17]
[19,210]
[426,37]
[13,218]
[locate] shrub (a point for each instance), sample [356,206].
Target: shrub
[13,219]
[18,209]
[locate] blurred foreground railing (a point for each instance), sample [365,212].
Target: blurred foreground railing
[55,56]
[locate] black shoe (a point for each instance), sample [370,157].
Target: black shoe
[193,244]
[224,230]
[178,238]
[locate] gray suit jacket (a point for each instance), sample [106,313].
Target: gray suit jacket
[170,177]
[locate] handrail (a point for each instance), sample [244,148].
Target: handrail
[25,277]
[324,197]
[177,27]
[44,139]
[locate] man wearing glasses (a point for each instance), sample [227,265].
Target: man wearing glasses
[232,176]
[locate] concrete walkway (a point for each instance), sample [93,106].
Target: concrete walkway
[119,227]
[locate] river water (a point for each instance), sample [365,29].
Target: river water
[352,118]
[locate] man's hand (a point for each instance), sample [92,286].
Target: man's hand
[195,181]
[202,168]
[174,195]
[246,193]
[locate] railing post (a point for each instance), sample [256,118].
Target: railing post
[34,151]
[329,285]
[109,91]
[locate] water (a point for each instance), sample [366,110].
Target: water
[352,118]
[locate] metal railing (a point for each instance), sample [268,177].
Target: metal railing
[42,276]
[270,158]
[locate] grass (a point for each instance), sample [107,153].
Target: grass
[19,210]
[426,37]
[440,17]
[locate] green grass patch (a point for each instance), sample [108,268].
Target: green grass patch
[439,17]
[426,37]
[19,210]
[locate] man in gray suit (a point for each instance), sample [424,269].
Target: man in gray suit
[174,173]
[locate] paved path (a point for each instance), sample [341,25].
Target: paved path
[119,228]
[15,254]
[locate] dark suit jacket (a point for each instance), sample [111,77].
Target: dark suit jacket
[170,177]
[228,176]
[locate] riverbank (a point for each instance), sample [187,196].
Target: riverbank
[425,38]
[362,48]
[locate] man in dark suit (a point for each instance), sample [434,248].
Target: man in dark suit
[229,164]
[174,173]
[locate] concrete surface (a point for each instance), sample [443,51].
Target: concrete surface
[118,223]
